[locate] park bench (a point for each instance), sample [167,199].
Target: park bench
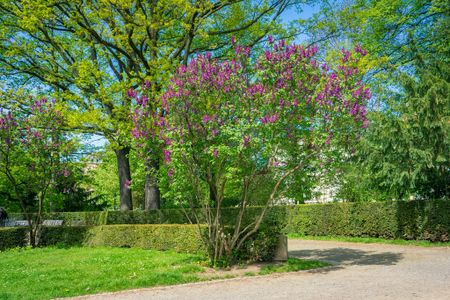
[20,223]
[53,222]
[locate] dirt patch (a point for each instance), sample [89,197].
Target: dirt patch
[236,271]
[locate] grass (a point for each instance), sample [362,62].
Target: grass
[293,265]
[370,240]
[46,273]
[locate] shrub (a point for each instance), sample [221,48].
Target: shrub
[163,216]
[181,238]
[260,247]
[65,235]
[420,220]
[12,237]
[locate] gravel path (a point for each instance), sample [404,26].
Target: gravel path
[359,271]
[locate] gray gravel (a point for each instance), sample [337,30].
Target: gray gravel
[359,271]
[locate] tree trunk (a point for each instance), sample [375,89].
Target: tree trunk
[151,190]
[213,194]
[123,164]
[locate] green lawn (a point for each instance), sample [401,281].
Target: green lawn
[49,272]
[369,240]
[46,273]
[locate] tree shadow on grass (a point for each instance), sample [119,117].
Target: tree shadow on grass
[341,257]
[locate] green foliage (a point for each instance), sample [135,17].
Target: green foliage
[12,237]
[74,193]
[260,247]
[386,28]
[89,53]
[370,240]
[421,220]
[103,178]
[65,236]
[405,151]
[407,148]
[163,216]
[180,238]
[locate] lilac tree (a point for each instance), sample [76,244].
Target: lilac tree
[33,153]
[249,117]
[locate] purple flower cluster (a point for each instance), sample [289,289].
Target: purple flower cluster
[210,102]
[7,121]
[267,119]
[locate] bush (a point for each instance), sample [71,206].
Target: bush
[181,238]
[260,247]
[163,216]
[12,237]
[419,220]
[65,235]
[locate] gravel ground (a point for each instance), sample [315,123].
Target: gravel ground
[359,271]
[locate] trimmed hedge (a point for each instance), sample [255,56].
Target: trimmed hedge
[162,216]
[12,237]
[418,220]
[181,238]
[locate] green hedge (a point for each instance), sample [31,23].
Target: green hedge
[163,216]
[418,220]
[181,238]
[12,237]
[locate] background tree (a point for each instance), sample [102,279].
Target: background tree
[396,33]
[90,52]
[33,153]
[407,148]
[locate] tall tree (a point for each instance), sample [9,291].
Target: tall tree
[90,52]
[407,148]
[384,28]
[408,56]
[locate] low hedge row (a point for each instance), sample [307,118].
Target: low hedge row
[181,238]
[162,216]
[12,237]
[418,220]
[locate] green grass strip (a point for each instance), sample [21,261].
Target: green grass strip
[368,240]
[293,265]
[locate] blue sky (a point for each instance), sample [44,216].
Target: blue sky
[292,14]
